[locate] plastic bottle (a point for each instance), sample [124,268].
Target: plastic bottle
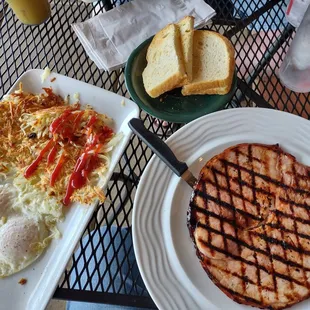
[294,72]
[295,11]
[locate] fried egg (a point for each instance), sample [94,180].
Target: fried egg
[22,236]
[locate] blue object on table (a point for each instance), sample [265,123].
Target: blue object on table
[121,253]
[273,19]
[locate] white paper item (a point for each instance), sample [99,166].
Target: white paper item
[109,38]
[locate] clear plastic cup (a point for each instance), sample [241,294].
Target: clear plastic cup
[31,12]
[294,72]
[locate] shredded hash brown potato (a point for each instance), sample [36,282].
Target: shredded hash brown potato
[26,121]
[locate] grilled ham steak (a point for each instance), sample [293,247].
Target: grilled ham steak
[249,218]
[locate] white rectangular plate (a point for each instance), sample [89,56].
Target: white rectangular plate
[43,275]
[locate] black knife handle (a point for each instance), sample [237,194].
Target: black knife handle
[159,147]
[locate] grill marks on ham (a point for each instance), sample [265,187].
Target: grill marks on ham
[249,218]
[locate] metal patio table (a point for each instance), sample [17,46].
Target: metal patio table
[260,35]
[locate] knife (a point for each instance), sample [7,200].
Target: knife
[162,150]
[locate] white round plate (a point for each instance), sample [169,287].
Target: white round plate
[164,251]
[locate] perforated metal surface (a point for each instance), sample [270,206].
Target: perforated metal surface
[260,35]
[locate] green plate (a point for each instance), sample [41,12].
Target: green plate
[171,106]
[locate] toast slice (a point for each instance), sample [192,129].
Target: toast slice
[213,64]
[186,26]
[165,67]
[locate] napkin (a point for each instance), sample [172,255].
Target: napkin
[109,38]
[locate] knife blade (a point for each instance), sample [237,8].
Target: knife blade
[189,178]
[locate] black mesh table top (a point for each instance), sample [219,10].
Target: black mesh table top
[261,36]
